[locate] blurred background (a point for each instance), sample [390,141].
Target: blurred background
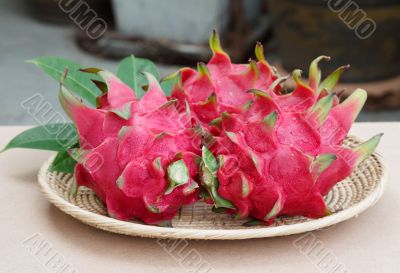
[362,33]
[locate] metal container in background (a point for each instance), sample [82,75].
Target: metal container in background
[179,21]
[186,21]
[306,29]
[177,31]
[50,11]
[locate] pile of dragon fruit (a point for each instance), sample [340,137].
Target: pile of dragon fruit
[229,135]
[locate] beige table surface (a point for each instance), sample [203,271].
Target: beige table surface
[37,237]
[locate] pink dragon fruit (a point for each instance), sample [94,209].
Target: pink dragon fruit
[278,153]
[219,86]
[140,156]
[230,133]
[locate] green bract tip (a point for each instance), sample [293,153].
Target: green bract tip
[271,119]
[169,103]
[245,186]
[296,75]
[253,69]
[203,71]
[215,43]
[259,50]
[320,164]
[275,209]
[216,122]
[211,100]
[314,73]
[332,79]
[120,182]
[259,93]
[123,131]
[157,164]
[171,76]
[233,137]
[319,112]
[367,148]
[354,103]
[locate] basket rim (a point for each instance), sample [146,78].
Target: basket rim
[136,229]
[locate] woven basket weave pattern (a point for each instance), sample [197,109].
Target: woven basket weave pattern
[364,185]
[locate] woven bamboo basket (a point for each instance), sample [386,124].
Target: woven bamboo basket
[347,199]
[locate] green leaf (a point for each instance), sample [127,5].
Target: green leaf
[130,72]
[63,162]
[78,154]
[54,137]
[79,82]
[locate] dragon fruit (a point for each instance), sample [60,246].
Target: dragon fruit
[140,156]
[268,152]
[219,86]
[229,133]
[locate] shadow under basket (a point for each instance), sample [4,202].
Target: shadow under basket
[347,199]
